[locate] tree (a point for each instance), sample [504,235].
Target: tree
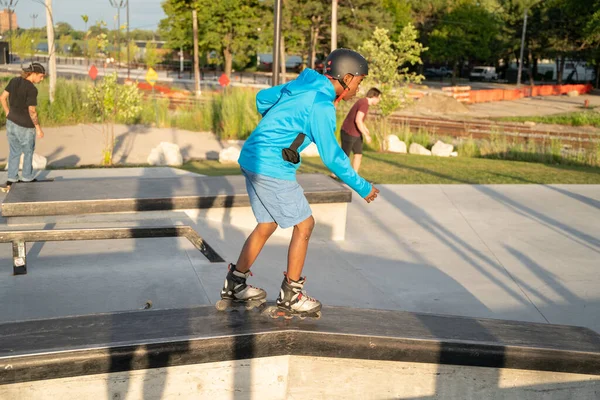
[465,34]
[65,43]
[111,102]
[151,57]
[227,27]
[357,20]
[85,19]
[63,29]
[390,64]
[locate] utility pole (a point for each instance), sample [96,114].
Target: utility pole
[522,49]
[334,7]
[10,6]
[119,4]
[276,43]
[33,17]
[196,60]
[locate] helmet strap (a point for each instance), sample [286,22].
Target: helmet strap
[346,90]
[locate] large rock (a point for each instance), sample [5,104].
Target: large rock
[454,154]
[229,155]
[416,148]
[442,149]
[394,145]
[39,162]
[310,151]
[573,93]
[166,154]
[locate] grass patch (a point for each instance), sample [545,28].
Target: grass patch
[381,168]
[579,118]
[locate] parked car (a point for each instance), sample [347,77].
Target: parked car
[483,74]
[441,72]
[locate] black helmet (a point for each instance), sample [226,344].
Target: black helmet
[344,61]
[35,67]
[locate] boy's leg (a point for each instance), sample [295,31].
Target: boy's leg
[299,247]
[15,152]
[254,244]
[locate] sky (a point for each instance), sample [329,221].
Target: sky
[143,14]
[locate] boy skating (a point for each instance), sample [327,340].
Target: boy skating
[294,115]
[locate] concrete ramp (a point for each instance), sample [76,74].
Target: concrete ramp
[198,353]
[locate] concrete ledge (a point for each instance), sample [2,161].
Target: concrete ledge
[302,377]
[109,343]
[75,197]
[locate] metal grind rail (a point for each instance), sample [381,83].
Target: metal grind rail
[19,239]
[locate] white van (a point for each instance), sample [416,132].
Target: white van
[483,74]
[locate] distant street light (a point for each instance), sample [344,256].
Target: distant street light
[119,4]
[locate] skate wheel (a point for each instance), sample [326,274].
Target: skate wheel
[318,315]
[222,305]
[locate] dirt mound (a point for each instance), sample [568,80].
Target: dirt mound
[439,104]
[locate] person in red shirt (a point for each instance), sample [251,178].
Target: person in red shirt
[354,128]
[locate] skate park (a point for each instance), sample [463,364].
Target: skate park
[438,291]
[472,276]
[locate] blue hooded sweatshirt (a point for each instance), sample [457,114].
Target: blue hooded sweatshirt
[304,105]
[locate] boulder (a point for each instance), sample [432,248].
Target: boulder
[229,155]
[394,145]
[454,154]
[416,148]
[573,93]
[442,149]
[39,162]
[310,151]
[166,154]
[529,123]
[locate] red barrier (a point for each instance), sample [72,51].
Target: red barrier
[485,96]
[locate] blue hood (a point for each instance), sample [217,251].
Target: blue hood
[304,105]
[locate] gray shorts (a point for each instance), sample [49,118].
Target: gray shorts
[276,200]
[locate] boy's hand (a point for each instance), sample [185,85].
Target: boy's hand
[373,195]
[40,133]
[368,139]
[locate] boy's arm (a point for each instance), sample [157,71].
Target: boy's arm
[322,126]
[4,101]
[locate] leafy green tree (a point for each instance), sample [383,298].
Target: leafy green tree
[390,69]
[227,27]
[151,57]
[466,33]
[111,102]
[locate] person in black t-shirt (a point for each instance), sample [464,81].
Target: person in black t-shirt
[19,101]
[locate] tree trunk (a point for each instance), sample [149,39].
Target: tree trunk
[51,50]
[560,70]
[196,54]
[529,69]
[598,74]
[282,78]
[228,61]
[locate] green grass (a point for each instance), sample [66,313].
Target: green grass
[412,169]
[580,118]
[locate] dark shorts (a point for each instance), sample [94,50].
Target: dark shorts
[351,143]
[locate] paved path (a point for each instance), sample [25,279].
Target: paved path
[82,144]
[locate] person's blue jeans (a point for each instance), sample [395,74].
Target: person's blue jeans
[20,141]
